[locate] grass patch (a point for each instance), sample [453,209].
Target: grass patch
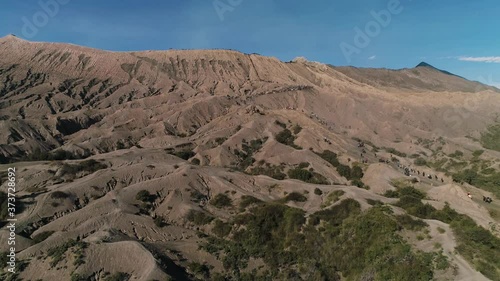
[332,197]
[59,253]
[491,138]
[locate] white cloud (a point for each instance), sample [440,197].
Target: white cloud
[481,59]
[372,57]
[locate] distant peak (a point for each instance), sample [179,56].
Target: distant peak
[424,64]
[11,37]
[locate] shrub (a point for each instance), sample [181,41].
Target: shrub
[221,228]
[358,183]
[357,172]
[89,166]
[374,202]
[57,253]
[184,154]
[295,197]
[42,236]
[332,197]
[318,191]
[145,196]
[330,157]
[303,165]
[197,196]
[297,129]
[281,124]
[344,171]
[395,152]
[159,221]
[118,276]
[247,200]
[275,172]
[457,154]
[477,153]
[300,174]
[199,218]
[409,223]
[221,200]
[491,138]
[199,269]
[59,195]
[195,161]
[307,176]
[420,161]
[287,138]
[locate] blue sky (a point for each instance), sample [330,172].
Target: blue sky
[461,36]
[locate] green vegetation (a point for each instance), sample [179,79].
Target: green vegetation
[221,200]
[60,154]
[295,197]
[118,276]
[332,197]
[456,154]
[246,155]
[247,200]
[199,269]
[404,189]
[220,140]
[395,152]
[42,236]
[88,166]
[58,253]
[420,161]
[221,229]
[330,157]
[197,196]
[199,218]
[488,182]
[475,243]
[296,129]
[359,183]
[184,154]
[4,208]
[374,202]
[341,240]
[344,171]
[59,195]
[275,172]
[409,223]
[318,191]
[491,138]
[159,221]
[307,176]
[357,173]
[287,138]
[477,153]
[281,124]
[145,196]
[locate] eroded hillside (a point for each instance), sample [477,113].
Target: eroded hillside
[218,165]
